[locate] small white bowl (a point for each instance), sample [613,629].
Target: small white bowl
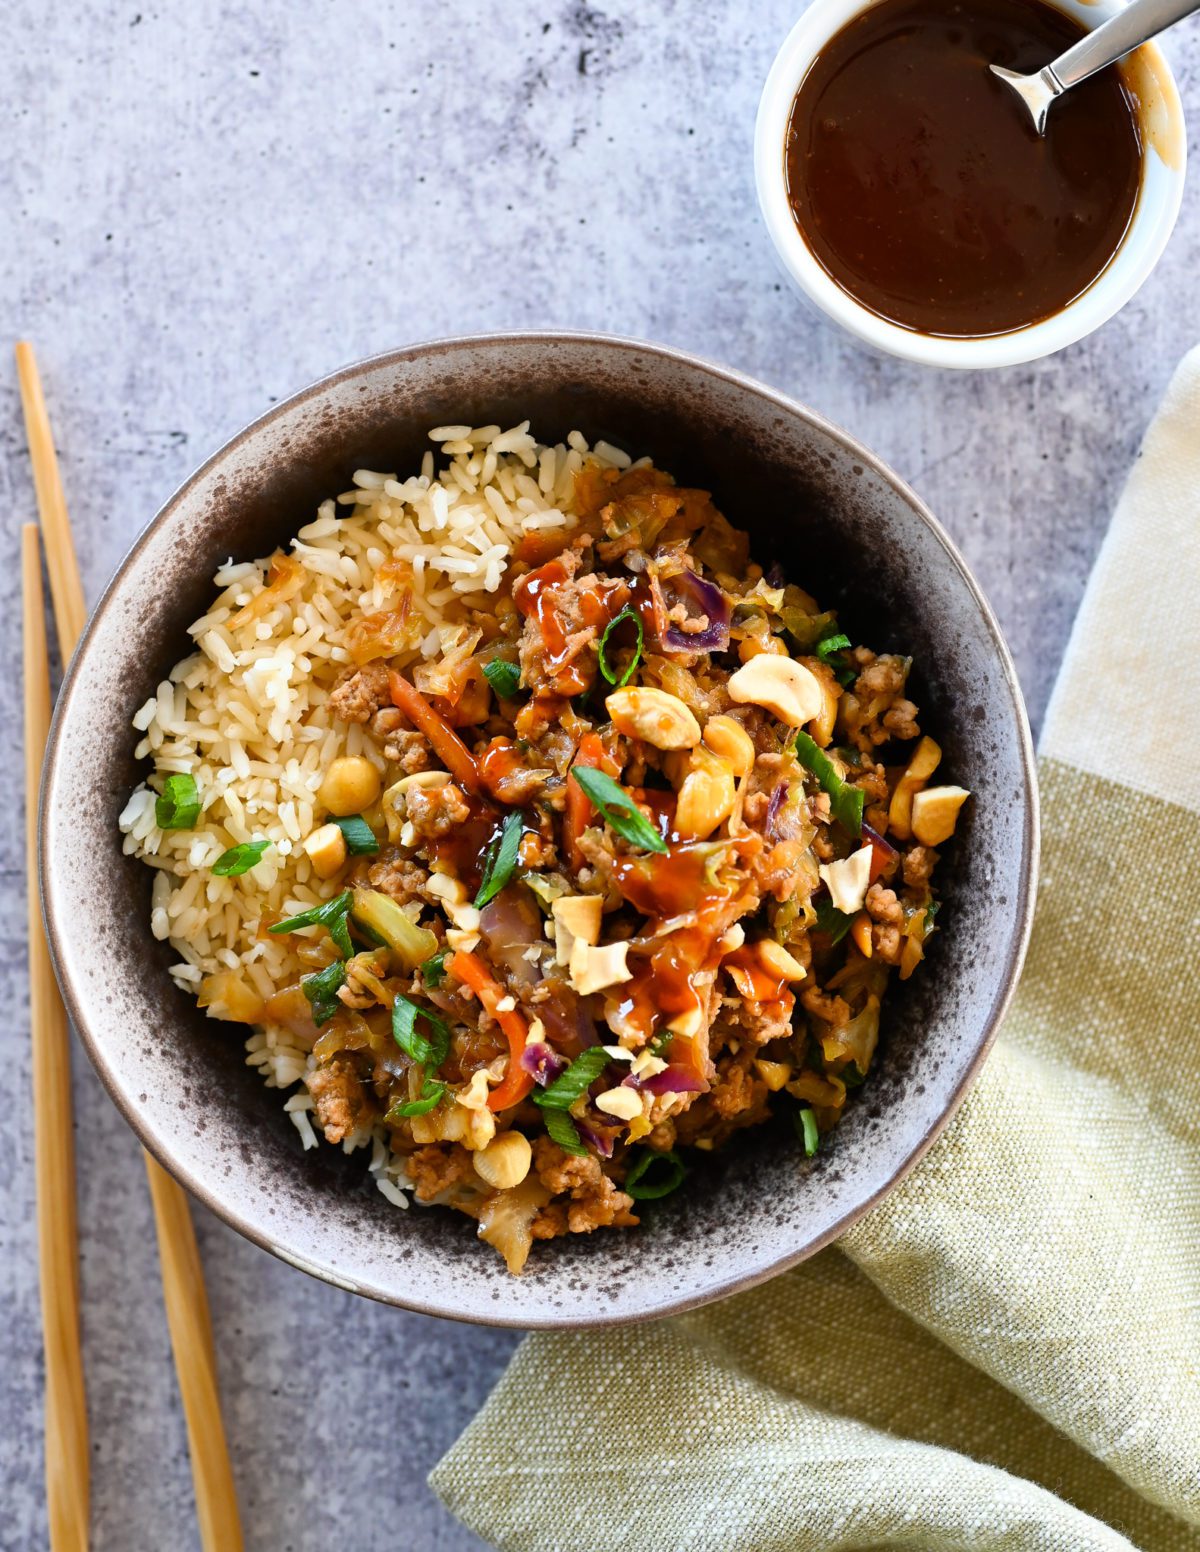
[1160,119]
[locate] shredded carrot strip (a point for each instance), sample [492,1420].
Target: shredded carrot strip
[880,857]
[472,972]
[578,812]
[453,753]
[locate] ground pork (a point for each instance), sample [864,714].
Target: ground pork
[360,693]
[919,863]
[882,905]
[901,720]
[538,715]
[738,1099]
[407,749]
[754,809]
[594,1201]
[887,944]
[833,1010]
[872,782]
[756,1023]
[342,1103]
[536,852]
[518,786]
[662,1137]
[875,709]
[439,1168]
[736,1089]
[397,875]
[776,872]
[436,811]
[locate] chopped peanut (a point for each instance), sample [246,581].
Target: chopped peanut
[706,797]
[689,1023]
[773,1074]
[351,784]
[592,969]
[860,932]
[781,686]
[926,758]
[326,850]
[757,646]
[726,737]
[580,916]
[505,1161]
[822,727]
[776,961]
[653,716]
[475,1095]
[935,813]
[621,1102]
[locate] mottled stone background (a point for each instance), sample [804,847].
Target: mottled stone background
[203,207]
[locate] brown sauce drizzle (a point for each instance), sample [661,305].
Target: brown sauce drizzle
[920,186]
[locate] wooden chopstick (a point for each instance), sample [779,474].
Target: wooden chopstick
[66,590]
[66,1447]
[182,1277]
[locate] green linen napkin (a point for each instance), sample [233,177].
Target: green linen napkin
[1005,1354]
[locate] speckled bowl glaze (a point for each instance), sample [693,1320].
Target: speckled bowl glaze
[813,499]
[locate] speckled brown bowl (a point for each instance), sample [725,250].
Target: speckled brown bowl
[813,499]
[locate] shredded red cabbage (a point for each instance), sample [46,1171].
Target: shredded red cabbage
[704,598]
[773,808]
[873,835]
[672,1080]
[542,1062]
[601,1143]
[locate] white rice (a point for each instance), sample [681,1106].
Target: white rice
[245,714]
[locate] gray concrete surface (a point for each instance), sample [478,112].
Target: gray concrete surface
[202,208]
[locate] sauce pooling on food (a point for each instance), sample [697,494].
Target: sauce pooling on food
[918,182]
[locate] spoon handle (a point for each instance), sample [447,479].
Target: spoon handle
[1116,37]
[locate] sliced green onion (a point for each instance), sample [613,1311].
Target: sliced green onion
[431,1051]
[618,808]
[500,858]
[321,990]
[178,805]
[578,1078]
[357,833]
[829,919]
[239,859]
[830,644]
[432,1092]
[563,1131]
[503,676]
[829,650]
[433,971]
[662,1183]
[331,915]
[806,1130]
[845,801]
[628,613]
[851,1077]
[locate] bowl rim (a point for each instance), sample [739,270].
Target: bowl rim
[1156,209]
[206,1192]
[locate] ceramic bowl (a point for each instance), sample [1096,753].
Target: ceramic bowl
[813,499]
[1160,122]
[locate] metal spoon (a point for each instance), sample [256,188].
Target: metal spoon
[1112,40]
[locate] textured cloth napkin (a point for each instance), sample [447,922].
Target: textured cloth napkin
[1005,1354]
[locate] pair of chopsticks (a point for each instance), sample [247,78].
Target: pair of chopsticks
[67,1473]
